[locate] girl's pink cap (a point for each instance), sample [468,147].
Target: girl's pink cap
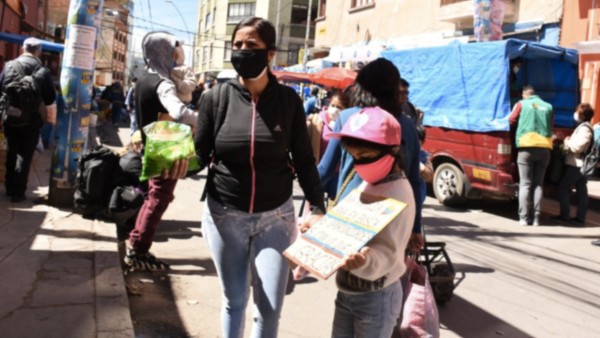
[372,124]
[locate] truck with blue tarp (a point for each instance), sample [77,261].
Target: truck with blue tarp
[466,91]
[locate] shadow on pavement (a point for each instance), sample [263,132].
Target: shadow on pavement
[468,320]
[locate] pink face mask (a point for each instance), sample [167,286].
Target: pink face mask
[375,171]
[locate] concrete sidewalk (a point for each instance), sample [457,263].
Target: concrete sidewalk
[61,274]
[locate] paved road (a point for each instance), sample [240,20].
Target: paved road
[511,280]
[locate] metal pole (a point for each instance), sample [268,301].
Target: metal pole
[305,56]
[72,122]
[274,62]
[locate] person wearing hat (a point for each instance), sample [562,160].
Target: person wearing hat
[377,84]
[369,298]
[22,139]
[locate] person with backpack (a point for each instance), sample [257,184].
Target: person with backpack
[25,85]
[576,146]
[252,133]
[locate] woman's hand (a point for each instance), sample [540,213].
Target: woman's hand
[178,170]
[310,222]
[356,260]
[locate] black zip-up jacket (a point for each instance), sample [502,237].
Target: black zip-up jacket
[251,168]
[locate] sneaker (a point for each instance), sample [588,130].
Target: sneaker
[536,222]
[596,242]
[523,221]
[577,222]
[143,262]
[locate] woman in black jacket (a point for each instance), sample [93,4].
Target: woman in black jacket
[249,130]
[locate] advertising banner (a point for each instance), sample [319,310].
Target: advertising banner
[488,17]
[76,80]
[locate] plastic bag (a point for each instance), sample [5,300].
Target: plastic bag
[420,316]
[167,142]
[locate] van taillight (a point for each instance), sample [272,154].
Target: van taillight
[504,149]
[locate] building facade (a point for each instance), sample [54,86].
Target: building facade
[581,30]
[217,19]
[113,43]
[357,30]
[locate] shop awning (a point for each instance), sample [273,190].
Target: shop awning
[18,39]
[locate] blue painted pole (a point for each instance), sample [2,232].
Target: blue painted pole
[76,81]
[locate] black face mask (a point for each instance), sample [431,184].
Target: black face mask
[249,63]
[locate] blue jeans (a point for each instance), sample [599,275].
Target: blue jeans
[133,125]
[572,176]
[247,251]
[532,163]
[367,314]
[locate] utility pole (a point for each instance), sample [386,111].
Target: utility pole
[305,56]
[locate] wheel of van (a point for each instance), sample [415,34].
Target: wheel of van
[449,185]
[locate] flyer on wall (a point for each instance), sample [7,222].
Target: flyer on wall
[345,229]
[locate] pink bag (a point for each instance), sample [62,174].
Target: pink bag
[419,313]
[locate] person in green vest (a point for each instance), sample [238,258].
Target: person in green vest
[532,117]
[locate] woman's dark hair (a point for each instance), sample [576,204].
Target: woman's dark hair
[586,110]
[351,142]
[263,27]
[421,133]
[378,84]
[343,97]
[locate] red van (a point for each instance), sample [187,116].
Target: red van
[466,92]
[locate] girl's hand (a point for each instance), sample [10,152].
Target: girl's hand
[178,170]
[310,222]
[356,260]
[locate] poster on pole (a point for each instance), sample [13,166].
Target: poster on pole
[76,80]
[345,229]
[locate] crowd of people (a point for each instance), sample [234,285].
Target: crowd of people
[256,136]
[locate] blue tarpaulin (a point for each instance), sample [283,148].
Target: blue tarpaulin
[18,39]
[466,86]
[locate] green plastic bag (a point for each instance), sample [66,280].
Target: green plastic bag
[167,142]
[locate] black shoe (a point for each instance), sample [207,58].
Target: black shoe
[17,198]
[559,218]
[596,242]
[577,222]
[143,262]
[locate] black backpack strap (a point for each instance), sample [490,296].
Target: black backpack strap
[220,103]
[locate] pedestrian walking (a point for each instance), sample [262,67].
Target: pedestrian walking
[130,105]
[575,147]
[532,117]
[21,118]
[320,126]
[311,102]
[156,96]
[377,84]
[369,298]
[252,132]
[117,100]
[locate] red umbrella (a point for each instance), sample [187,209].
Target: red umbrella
[335,77]
[282,75]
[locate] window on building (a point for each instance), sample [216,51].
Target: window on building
[361,3]
[238,12]
[205,54]
[322,8]
[208,20]
[292,55]
[227,51]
